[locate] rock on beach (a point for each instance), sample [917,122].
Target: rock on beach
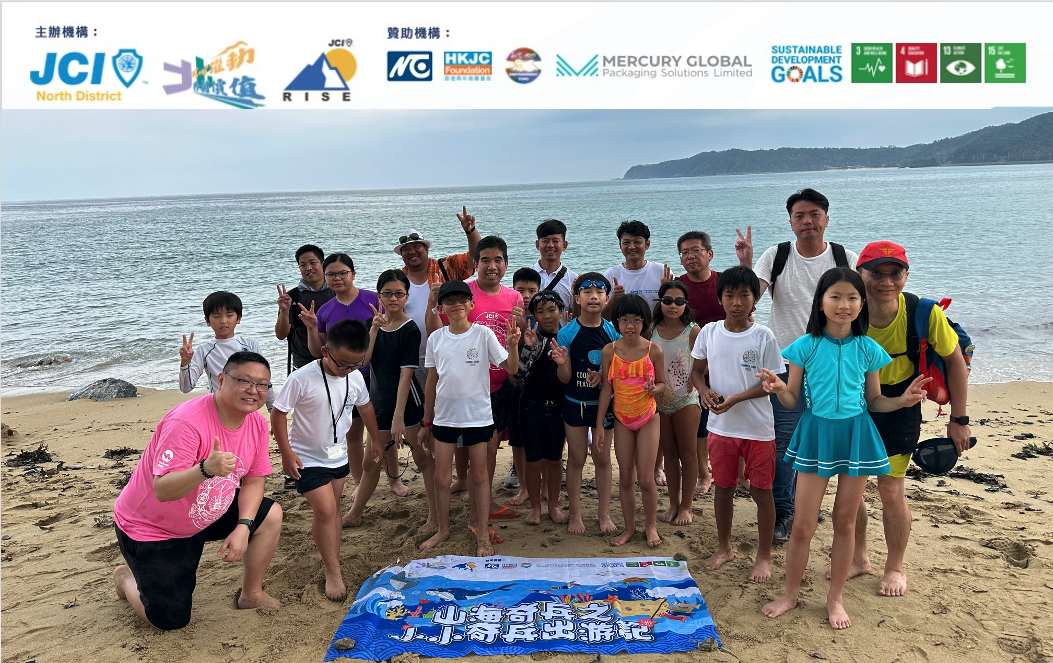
[104,390]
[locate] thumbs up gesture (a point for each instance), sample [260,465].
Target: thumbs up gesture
[619,290]
[220,463]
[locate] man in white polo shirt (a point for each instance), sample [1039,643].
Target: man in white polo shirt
[551,243]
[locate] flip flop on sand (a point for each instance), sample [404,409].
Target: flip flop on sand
[505,513]
[494,538]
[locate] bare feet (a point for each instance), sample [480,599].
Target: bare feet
[719,558]
[607,525]
[335,589]
[434,541]
[556,515]
[684,517]
[668,515]
[659,477]
[857,569]
[482,542]
[121,575]
[458,486]
[351,521]
[761,571]
[623,538]
[519,498]
[534,517]
[893,583]
[779,606]
[258,600]
[838,617]
[399,488]
[652,536]
[702,485]
[577,525]
[428,528]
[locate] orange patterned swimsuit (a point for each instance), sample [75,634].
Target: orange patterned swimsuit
[633,406]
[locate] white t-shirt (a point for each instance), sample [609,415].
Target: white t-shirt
[311,432]
[791,300]
[644,282]
[416,307]
[565,287]
[734,360]
[462,397]
[210,357]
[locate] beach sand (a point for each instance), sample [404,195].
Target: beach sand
[981,579]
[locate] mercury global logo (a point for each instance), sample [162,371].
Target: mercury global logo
[467,65]
[327,76]
[409,66]
[590,68]
[76,68]
[653,66]
[806,63]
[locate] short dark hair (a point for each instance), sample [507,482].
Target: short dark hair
[591,276]
[631,305]
[634,228]
[707,243]
[491,242]
[341,258]
[309,248]
[810,195]
[390,275]
[817,320]
[545,296]
[221,301]
[348,334]
[686,317]
[245,357]
[735,277]
[552,227]
[526,274]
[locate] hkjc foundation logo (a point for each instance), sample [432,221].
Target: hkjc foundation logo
[806,63]
[327,77]
[467,65]
[74,69]
[225,77]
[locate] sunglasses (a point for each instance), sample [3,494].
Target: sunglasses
[667,300]
[412,237]
[585,285]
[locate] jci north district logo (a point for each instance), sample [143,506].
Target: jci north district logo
[409,66]
[76,68]
[809,63]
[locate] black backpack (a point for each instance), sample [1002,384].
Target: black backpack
[782,254]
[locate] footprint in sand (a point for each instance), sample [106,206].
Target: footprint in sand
[1015,553]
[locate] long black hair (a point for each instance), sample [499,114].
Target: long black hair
[817,321]
[686,317]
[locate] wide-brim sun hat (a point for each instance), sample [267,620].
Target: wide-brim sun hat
[411,236]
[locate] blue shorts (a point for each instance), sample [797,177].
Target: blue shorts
[582,413]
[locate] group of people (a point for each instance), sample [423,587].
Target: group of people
[631,358]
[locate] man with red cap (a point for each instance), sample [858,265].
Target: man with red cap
[884,268]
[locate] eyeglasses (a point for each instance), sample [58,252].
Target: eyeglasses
[455,299]
[895,275]
[339,275]
[696,251]
[589,284]
[667,300]
[393,295]
[412,237]
[342,367]
[249,385]
[635,322]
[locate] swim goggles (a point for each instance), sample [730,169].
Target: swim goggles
[546,296]
[588,284]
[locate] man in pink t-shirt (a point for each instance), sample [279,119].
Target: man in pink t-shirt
[200,479]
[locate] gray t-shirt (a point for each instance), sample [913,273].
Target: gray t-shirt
[794,289]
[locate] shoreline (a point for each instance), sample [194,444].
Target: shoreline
[978,563]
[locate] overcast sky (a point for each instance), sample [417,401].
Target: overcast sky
[55,154]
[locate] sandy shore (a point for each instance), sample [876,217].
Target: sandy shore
[981,581]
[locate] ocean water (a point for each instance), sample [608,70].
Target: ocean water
[111,285]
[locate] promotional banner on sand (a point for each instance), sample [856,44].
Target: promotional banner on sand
[451,606]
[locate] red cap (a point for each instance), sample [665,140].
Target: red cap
[876,253]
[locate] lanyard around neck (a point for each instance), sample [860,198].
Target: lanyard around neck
[329,399]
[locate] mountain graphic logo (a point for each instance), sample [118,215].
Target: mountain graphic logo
[331,71]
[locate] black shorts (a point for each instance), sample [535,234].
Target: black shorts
[543,432]
[313,478]
[900,429]
[703,422]
[462,437]
[413,416]
[501,403]
[354,410]
[166,571]
[515,421]
[577,414]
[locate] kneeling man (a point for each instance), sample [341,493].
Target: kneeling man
[200,479]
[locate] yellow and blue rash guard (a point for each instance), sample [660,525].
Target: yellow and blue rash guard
[893,339]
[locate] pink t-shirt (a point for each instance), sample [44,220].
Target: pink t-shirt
[182,439]
[493,312]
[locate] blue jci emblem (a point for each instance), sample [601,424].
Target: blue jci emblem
[127,64]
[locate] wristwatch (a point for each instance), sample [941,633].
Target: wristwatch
[961,421]
[247,522]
